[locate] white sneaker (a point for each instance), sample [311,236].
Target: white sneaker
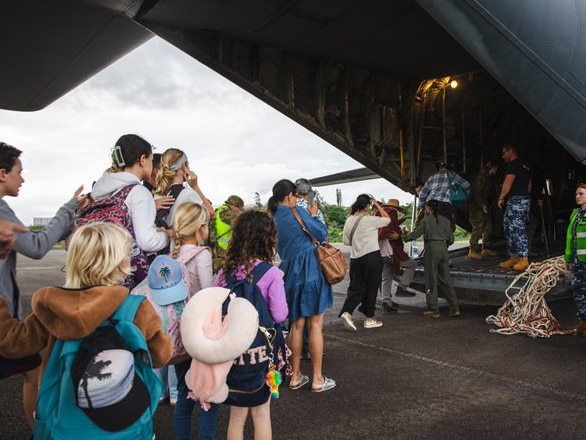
[347,321]
[372,323]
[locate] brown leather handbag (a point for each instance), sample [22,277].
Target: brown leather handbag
[331,259]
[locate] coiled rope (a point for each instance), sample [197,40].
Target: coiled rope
[525,310]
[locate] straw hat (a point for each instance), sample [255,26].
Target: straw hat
[394,203]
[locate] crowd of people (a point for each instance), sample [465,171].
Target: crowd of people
[147,205]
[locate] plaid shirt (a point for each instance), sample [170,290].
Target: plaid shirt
[437,186]
[302,203]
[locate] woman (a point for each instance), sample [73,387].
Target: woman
[308,293]
[132,162]
[366,262]
[575,256]
[437,234]
[174,172]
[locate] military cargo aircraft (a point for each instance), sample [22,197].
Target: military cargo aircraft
[396,84]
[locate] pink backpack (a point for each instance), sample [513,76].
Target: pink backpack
[171,314]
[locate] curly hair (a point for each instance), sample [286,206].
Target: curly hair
[254,237]
[189,218]
[168,169]
[8,156]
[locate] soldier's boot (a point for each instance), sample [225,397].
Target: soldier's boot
[522,264]
[509,263]
[488,253]
[474,255]
[580,329]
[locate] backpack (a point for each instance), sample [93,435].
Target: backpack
[113,209]
[171,314]
[101,386]
[248,375]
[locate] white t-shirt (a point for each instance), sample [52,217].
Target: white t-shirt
[365,238]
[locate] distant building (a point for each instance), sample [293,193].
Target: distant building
[41,221]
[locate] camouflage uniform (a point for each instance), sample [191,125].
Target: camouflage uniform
[480,222]
[227,216]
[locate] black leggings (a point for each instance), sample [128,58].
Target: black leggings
[365,278]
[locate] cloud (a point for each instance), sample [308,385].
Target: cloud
[235,143]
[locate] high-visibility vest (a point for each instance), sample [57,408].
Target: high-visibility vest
[223,230]
[576,240]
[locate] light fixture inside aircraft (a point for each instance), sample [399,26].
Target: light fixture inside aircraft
[453,84]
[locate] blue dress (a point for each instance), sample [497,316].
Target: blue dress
[308,293]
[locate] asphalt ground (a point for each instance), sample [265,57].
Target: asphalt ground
[413,378]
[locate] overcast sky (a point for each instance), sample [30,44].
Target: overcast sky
[236,144]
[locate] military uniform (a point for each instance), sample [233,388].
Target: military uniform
[221,230]
[480,197]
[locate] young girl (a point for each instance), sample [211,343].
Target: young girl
[437,235]
[132,162]
[190,228]
[98,261]
[254,240]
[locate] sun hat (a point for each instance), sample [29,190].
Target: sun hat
[394,203]
[166,282]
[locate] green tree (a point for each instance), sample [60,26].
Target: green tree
[335,217]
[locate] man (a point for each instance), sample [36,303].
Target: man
[221,233]
[437,187]
[514,198]
[479,205]
[303,190]
[395,259]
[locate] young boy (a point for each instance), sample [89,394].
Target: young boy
[31,244]
[98,261]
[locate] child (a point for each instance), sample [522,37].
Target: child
[98,261]
[437,235]
[254,240]
[190,226]
[33,245]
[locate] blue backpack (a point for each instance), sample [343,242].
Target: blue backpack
[247,377]
[101,386]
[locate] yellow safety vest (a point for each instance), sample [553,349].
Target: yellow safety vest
[223,230]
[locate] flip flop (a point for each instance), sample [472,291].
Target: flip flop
[327,385]
[302,382]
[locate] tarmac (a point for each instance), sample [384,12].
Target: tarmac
[412,378]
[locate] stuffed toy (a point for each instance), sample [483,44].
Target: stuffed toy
[214,341]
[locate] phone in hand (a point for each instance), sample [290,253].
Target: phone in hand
[311,197]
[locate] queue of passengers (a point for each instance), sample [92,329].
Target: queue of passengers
[164,214]
[112,250]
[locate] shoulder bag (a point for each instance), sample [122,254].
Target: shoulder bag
[331,259]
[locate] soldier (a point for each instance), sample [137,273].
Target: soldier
[221,232]
[479,205]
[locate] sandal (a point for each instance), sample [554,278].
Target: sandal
[327,385]
[304,380]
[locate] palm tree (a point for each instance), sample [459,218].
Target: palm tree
[165,272]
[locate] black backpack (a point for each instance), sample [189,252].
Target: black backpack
[247,377]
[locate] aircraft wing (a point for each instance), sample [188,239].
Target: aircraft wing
[50,47]
[345,177]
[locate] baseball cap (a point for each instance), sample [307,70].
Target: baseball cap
[166,282]
[107,389]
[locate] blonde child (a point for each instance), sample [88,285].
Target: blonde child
[98,261]
[253,242]
[190,226]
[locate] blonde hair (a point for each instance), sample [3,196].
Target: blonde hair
[166,174]
[189,218]
[98,255]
